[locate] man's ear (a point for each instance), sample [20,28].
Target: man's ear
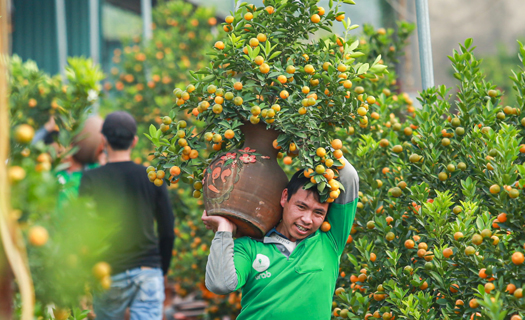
[101,146]
[284,197]
[104,142]
[135,141]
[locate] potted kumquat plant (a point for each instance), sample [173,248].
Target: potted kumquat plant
[270,89]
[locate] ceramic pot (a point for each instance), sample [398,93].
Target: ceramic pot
[245,185]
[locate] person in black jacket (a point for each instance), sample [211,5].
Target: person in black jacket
[139,257]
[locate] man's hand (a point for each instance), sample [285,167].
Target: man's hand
[50,124]
[218,223]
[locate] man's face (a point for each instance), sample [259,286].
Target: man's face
[302,215]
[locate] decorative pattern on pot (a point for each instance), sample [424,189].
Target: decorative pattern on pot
[243,187]
[222,175]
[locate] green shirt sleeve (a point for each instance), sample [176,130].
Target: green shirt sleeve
[342,212]
[341,218]
[242,258]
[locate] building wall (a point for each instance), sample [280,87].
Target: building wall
[77,22]
[489,22]
[34,32]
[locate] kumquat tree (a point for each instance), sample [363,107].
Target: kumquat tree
[268,70]
[439,231]
[64,259]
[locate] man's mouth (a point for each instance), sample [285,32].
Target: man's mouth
[302,229]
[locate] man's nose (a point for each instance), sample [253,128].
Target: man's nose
[307,218]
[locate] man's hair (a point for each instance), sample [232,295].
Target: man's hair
[88,141]
[298,182]
[119,129]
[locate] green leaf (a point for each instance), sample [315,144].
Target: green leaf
[326,28]
[275,54]
[468,43]
[354,45]
[349,1]
[309,185]
[378,68]
[363,69]
[209,78]
[356,54]
[152,130]
[352,259]
[321,186]
[341,186]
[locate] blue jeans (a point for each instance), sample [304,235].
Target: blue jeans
[142,290]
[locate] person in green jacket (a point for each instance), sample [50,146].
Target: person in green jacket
[291,273]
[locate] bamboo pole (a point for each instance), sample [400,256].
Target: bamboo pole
[425,45]
[10,236]
[147,31]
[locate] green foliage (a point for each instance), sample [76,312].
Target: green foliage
[145,74]
[452,153]
[62,245]
[269,71]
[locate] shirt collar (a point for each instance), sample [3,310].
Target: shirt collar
[277,232]
[274,230]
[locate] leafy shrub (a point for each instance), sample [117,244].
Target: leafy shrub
[438,232]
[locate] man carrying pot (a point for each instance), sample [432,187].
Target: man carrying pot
[291,273]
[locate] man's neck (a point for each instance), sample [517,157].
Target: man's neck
[119,156]
[74,165]
[280,229]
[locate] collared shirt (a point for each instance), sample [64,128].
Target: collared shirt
[281,242]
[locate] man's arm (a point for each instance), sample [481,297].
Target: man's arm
[165,225]
[342,211]
[226,269]
[221,277]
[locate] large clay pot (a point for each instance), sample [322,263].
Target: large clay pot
[245,185]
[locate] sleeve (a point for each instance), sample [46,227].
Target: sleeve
[40,134]
[221,277]
[342,211]
[165,225]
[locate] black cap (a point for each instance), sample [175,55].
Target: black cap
[119,124]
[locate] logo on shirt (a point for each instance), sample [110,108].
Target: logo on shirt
[261,263]
[263,275]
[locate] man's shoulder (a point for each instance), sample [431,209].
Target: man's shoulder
[350,171]
[90,173]
[245,241]
[116,167]
[248,242]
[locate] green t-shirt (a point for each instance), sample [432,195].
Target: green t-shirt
[301,286]
[70,182]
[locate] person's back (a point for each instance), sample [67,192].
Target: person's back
[124,195]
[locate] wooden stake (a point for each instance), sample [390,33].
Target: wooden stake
[12,246]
